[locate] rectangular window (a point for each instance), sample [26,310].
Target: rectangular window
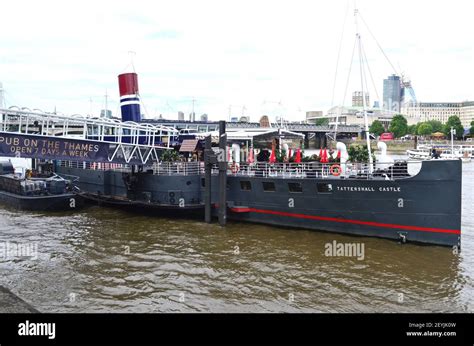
[295,187]
[324,187]
[245,185]
[268,186]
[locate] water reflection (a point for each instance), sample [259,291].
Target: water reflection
[107,260]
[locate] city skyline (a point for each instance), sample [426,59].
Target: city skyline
[271,57]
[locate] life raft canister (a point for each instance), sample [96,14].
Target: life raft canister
[335,170]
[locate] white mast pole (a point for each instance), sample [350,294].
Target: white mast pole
[367,134]
[106,103]
[452,142]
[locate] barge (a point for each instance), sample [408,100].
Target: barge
[45,193]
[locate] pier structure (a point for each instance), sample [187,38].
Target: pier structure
[36,134]
[315,136]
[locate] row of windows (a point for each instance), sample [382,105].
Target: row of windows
[269,186]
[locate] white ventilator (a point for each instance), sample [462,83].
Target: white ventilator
[236,150]
[342,148]
[384,161]
[344,156]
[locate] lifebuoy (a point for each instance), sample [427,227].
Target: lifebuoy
[335,170]
[234,168]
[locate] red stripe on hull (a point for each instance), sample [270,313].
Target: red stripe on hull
[336,219]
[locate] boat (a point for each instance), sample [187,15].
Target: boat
[425,152]
[407,201]
[37,192]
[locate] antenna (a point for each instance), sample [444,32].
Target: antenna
[131,55]
[192,111]
[106,103]
[362,78]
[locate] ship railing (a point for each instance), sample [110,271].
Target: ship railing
[444,145]
[312,170]
[96,166]
[305,170]
[178,168]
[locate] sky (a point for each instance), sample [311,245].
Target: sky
[250,57]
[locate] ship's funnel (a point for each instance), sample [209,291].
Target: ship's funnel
[129,97]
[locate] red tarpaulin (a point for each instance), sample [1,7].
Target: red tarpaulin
[250,158]
[298,156]
[324,156]
[273,156]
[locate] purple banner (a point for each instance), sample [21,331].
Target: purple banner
[51,148]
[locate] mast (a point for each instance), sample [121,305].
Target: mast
[106,103]
[366,121]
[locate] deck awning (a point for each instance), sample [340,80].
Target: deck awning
[188,145]
[254,134]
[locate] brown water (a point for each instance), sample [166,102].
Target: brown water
[104,260]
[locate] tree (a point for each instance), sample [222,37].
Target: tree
[322,121]
[376,128]
[359,153]
[437,126]
[455,122]
[412,129]
[425,129]
[471,130]
[398,126]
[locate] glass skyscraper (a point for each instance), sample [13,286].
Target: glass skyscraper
[392,93]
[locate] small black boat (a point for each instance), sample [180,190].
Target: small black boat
[39,192]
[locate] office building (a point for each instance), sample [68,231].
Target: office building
[392,93]
[441,111]
[357,99]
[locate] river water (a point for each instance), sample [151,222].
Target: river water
[105,260]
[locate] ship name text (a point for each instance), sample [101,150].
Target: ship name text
[369,188]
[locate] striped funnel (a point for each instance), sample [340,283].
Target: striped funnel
[129,97]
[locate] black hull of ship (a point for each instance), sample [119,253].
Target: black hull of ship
[64,202]
[144,207]
[425,208]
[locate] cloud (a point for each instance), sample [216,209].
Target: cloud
[163,34]
[227,53]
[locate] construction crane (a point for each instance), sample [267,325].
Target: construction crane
[406,86]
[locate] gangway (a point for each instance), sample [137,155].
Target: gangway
[37,134]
